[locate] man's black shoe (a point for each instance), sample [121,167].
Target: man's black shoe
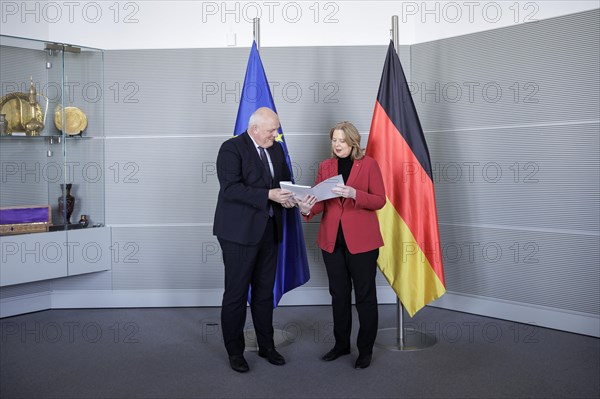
[272,356]
[335,353]
[363,361]
[238,363]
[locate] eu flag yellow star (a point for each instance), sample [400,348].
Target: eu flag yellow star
[279,137]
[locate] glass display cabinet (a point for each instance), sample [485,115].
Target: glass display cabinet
[51,161]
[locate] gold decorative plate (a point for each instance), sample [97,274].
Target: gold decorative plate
[76,120]
[18,111]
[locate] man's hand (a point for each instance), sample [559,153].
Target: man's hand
[280,195]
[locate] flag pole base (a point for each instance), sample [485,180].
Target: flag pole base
[279,337]
[387,338]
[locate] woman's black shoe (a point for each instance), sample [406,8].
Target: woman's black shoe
[363,362]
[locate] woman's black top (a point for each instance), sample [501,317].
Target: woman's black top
[344,167]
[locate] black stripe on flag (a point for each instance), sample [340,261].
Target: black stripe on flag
[394,97]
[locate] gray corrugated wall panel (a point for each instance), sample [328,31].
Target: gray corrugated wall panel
[91,281]
[320,86]
[558,58]
[540,268]
[167,258]
[26,172]
[549,212]
[161,180]
[196,91]
[173,92]
[533,177]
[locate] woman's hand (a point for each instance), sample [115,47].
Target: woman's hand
[289,204]
[344,191]
[307,203]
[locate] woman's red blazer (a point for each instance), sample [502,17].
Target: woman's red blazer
[359,220]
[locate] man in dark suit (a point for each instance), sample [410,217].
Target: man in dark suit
[248,225]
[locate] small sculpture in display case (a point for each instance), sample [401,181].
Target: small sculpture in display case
[70,205]
[84,221]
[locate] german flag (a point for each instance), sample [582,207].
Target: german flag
[411,259]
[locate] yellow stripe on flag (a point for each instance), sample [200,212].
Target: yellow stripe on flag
[404,264]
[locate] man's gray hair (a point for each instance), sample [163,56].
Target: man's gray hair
[255,119]
[260,115]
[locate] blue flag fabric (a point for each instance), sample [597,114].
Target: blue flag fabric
[292,263]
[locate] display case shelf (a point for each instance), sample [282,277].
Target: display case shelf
[55,136]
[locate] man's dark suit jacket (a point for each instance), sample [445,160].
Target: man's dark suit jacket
[243,205]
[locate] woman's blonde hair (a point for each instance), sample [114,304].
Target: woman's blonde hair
[352,138]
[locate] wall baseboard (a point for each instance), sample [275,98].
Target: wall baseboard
[186,298]
[580,323]
[25,304]
[541,316]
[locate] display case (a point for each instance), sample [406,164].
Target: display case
[52,161]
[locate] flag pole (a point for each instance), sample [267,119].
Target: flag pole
[394,339]
[395,33]
[279,337]
[256,32]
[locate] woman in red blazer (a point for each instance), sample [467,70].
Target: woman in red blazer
[350,238]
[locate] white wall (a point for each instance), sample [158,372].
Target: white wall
[23,19]
[202,24]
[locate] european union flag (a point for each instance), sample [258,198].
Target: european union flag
[292,263]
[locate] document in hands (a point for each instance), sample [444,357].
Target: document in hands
[321,191]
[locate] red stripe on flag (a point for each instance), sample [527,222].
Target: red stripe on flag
[407,185]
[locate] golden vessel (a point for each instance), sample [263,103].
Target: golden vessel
[23,112]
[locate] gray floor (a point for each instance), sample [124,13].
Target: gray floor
[178,353]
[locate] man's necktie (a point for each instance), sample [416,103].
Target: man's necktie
[265,161]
